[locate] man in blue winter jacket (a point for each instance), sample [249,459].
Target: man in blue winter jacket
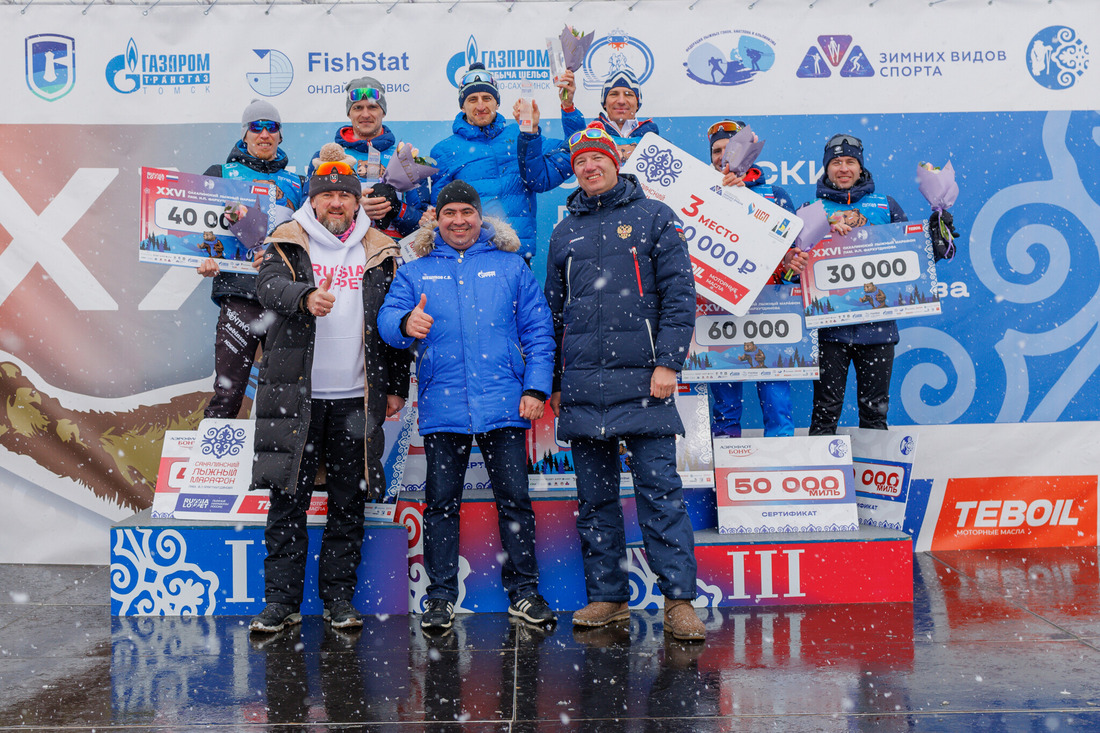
[373,144]
[484,365]
[484,150]
[620,288]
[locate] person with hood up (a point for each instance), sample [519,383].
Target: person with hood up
[327,383]
[484,365]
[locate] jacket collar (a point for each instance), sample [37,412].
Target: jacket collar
[381,143]
[240,154]
[625,190]
[497,232]
[464,129]
[864,185]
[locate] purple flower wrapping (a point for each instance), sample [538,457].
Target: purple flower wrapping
[815,225]
[575,48]
[403,172]
[938,187]
[742,151]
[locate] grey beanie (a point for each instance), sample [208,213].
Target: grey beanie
[259,109]
[366,81]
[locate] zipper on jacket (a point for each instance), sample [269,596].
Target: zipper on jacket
[652,345]
[568,278]
[638,274]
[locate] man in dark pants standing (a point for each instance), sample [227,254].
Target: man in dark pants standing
[256,157]
[620,288]
[326,386]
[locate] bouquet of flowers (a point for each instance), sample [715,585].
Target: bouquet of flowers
[938,187]
[815,225]
[407,168]
[575,45]
[248,225]
[742,150]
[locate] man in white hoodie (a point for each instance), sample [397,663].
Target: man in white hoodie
[326,385]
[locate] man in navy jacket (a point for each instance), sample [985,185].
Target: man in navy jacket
[620,287]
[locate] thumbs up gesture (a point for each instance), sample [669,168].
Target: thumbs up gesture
[320,300]
[419,323]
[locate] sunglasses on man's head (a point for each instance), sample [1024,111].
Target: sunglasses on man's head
[725,126]
[361,93]
[854,142]
[478,75]
[258,126]
[591,134]
[333,165]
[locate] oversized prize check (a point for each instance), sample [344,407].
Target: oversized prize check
[875,273]
[883,465]
[735,237]
[183,218]
[795,484]
[769,343]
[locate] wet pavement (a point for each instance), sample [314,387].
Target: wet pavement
[995,641]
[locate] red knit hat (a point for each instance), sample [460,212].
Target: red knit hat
[593,139]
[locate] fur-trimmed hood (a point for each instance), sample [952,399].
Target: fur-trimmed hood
[497,231]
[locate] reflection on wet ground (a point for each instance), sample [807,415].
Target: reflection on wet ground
[995,640]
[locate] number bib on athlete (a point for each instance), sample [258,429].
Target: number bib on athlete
[183,219]
[875,273]
[735,237]
[797,484]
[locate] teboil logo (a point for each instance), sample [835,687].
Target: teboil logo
[1024,511]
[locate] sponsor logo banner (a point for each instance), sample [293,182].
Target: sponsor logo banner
[1017,511]
[132,70]
[729,58]
[276,77]
[50,65]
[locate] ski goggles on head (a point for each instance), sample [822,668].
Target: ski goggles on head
[333,165]
[725,126]
[360,93]
[478,75]
[258,126]
[848,140]
[591,134]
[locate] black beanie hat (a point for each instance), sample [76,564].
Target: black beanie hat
[458,192]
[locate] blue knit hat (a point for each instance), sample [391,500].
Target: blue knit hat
[621,78]
[475,80]
[843,145]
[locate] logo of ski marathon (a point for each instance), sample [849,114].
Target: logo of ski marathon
[50,65]
[729,58]
[165,72]
[355,64]
[615,52]
[836,51]
[510,67]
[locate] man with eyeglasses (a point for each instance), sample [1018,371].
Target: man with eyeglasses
[483,151]
[256,157]
[327,384]
[621,98]
[775,397]
[485,362]
[847,191]
[372,144]
[620,289]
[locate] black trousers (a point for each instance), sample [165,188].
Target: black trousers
[873,364]
[238,334]
[336,432]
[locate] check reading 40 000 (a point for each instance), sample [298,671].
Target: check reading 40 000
[188,216]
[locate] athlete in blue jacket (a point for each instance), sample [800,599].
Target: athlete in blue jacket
[483,152]
[775,397]
[484,365]
[369,141]
[255,157]
[847,191]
